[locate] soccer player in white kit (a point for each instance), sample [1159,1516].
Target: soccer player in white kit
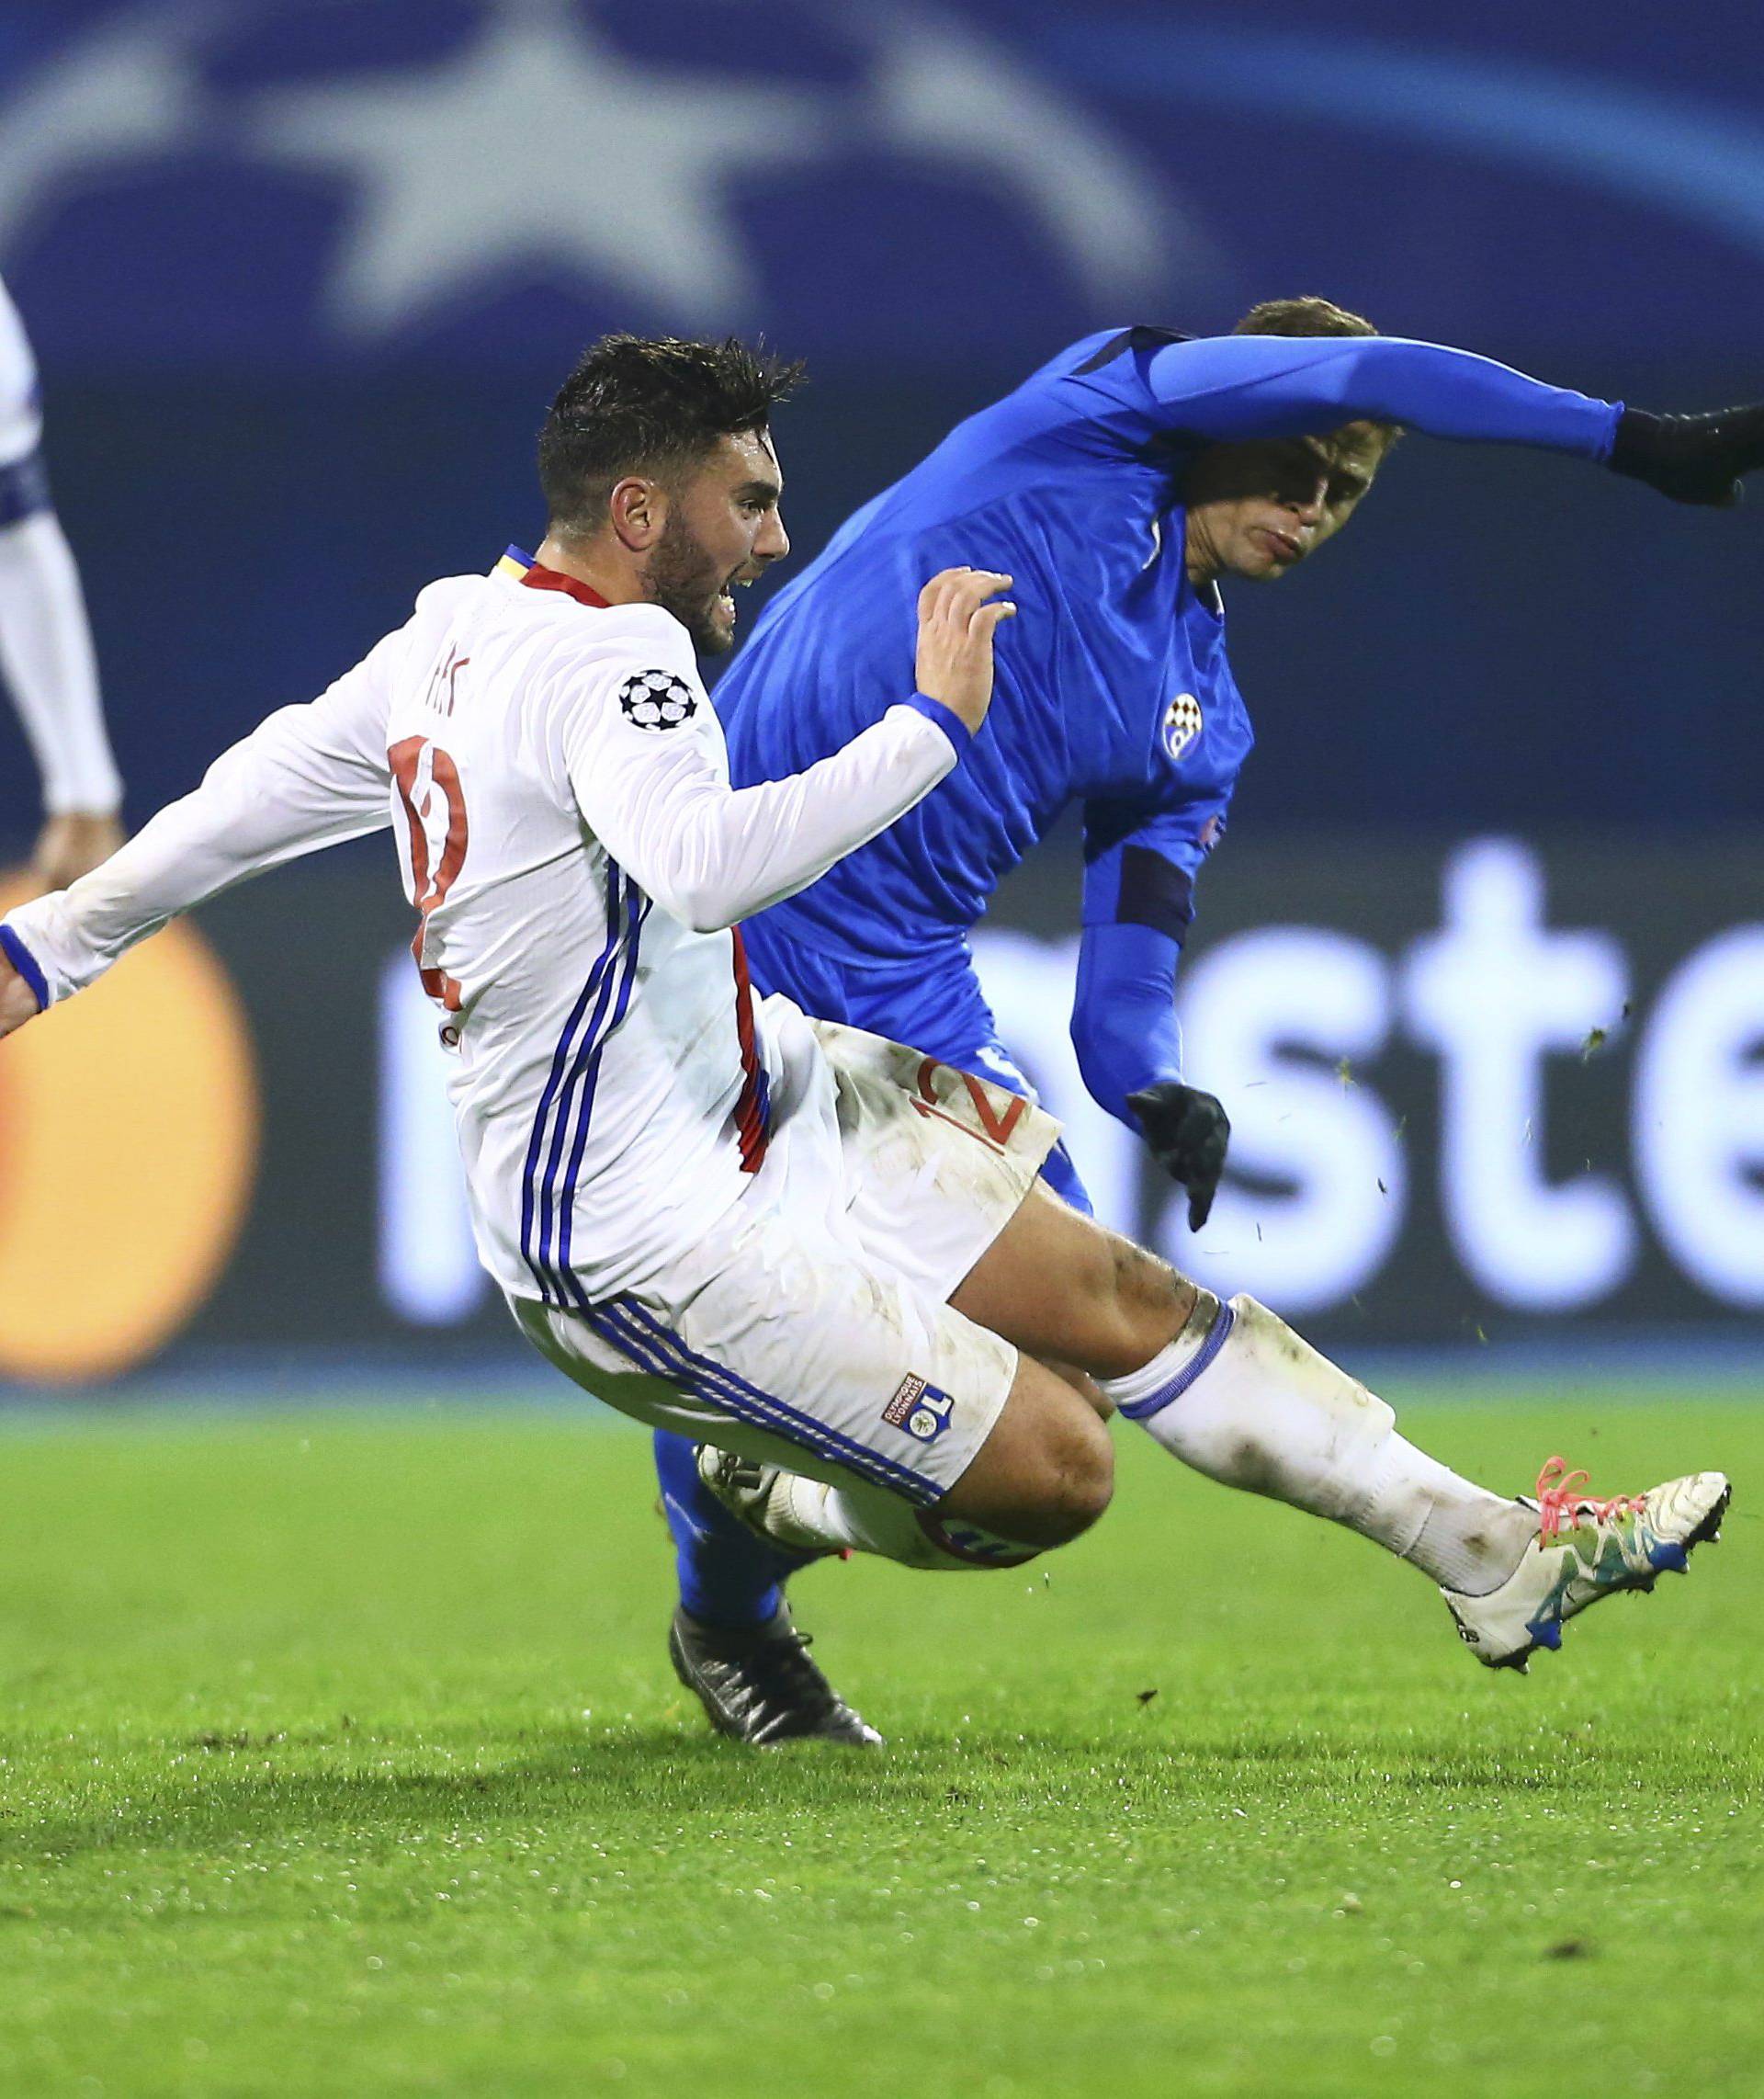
[46,657]
[826,1258]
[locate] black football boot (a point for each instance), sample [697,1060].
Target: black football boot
[757,1683]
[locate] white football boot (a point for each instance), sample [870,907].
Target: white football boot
[1585,1549]
[759,1496]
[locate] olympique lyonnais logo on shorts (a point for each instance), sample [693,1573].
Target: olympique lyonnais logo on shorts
[919,1408]
[1183,722]
[657,699]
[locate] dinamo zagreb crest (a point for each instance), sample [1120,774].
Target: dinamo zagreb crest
[1182,723]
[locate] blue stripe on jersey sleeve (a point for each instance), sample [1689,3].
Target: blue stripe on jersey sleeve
[946,719]
[24,962]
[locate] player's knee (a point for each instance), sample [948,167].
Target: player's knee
[1073,1484]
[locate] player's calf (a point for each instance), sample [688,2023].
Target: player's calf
[1234,1392]
[1241,1397]
[1065,1289]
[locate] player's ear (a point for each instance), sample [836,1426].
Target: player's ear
[638,509]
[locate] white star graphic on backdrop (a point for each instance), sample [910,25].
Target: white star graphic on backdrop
[130,92]
[539,152]
[943,94]
[537,147]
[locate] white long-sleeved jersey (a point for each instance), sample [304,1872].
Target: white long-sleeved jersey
[559,785]
[46,655]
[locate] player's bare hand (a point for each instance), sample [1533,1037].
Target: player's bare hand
[17,1001]
[955,628]
[70,845]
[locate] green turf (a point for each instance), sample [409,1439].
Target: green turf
[340,1755]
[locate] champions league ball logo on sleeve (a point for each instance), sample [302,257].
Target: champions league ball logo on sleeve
[657,699]
[1182,723]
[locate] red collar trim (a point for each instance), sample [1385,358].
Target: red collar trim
[541,578]
[522,568]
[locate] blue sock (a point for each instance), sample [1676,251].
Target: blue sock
[728,1577]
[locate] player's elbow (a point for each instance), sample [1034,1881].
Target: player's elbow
[710,913]
[704,905]
[708,879]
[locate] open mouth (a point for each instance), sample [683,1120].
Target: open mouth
[726,596]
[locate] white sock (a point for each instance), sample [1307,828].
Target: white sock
[809,1516]
[1241,1397]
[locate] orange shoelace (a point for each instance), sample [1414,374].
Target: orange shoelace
[1561,1499]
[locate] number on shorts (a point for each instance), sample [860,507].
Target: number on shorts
[994,1131]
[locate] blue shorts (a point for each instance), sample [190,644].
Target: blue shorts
[935,1005]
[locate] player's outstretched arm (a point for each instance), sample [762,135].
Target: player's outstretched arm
[659,798]
[1231,389]
[306,778]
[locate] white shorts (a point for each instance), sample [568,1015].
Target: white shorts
[812,1328]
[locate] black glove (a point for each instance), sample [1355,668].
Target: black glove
[1693,458]
[1187,1131]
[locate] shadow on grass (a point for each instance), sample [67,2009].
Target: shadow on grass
[218,1790]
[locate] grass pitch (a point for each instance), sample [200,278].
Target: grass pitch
[340,1754]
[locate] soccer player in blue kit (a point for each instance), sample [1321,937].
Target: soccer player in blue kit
[1117,486]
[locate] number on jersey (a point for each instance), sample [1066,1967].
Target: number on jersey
[435,812]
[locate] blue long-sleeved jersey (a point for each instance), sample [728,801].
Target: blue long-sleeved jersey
[1113,685]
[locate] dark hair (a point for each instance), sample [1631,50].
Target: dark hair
[636,405]
[1314,316]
